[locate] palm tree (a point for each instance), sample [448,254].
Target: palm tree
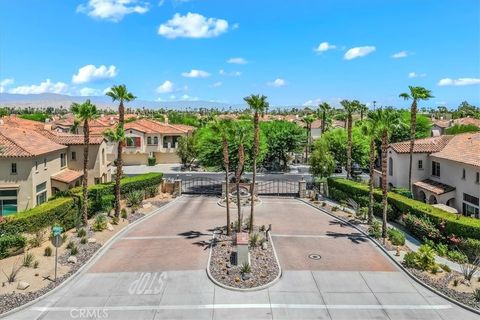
[370,130]
[350,107]
[85,113]
[222,128]
[387,121]
[363,110]
[324,109]
[121,94]
[241,136]
[259,105]
[308,119]
[416,93]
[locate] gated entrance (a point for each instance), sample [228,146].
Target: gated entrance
[278,187]
[202,185]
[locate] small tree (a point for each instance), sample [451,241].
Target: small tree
[322,162]
[186,150]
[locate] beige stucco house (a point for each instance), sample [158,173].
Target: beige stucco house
[446,170]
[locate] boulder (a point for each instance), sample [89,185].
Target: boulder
[264,245]
[109,226]
[147,205]
[91,240]
[72,259]
[22,285]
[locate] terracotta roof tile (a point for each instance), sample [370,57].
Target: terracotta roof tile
[427,145]
[464,148]
[152,126]
[69,138]
[434,186]
[67,175]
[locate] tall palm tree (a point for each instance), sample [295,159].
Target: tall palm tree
[85,113]
[241,136]
[416,93]
[308,119]
[119,93]
[324,109]
[363,109]
[350,107]
[222,128]
[259,105]
[388,120]
[369,129]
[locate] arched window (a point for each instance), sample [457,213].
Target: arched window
[155,140]
[149,140]
[390,166]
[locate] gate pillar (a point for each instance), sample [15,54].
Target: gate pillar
[177,187]
[302,188]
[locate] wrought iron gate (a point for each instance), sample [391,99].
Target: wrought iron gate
[202,185]
[278,187]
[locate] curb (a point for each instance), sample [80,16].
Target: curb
[90,261]
[399,265]
[262,287]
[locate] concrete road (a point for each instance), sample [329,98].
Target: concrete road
[156,270]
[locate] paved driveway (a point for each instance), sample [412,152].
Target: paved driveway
[157,271]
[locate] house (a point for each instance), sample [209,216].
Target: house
[439,127]
[35,163]
[150,138]
[446,170]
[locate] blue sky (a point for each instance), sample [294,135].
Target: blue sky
[295,52]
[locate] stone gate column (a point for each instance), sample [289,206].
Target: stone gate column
[302,188]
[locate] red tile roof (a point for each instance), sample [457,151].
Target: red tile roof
[464,148]
[153,126]
[434,186]
[459,121]
[69,138]
[427,145]
[67,175]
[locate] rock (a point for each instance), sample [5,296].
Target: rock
[72,259]
[264,245]
[91,240]
[147,205]
[246,276]
[22,285]
[109,227]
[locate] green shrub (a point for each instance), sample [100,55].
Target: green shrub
[404,192]
[396,237]
[134,199]
[83,240]
[254,240]
[410,260]
[151,191]
[423,259]
[100,222]
[445,268]
[152,161]
[81,233]
[124,213]
[28,259]
[422,228]
[375,230]
[36,263]
[476,294]
[457,256]
[470,247]
[11,244]
[70,244]
[465,227]
[74,251]
[114,220]
[245,268]
[47,252]
[441,249]
[37,239]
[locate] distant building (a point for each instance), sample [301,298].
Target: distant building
[440,127]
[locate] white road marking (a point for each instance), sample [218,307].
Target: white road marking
[313,236]
[155,237]
[253,306]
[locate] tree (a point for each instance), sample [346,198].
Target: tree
[462,128]
[415,94]
[308,119]
[370,130]
[337,145]
[324,109]
[350,107]
[240,135]
[222,129]
[259,105]
[85,113]
[423,127]
[363,109]
[121,94]
[386,121]
[322,162]
[186,150]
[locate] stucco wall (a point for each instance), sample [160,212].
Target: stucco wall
[401,162]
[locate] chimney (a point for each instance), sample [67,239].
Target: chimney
[166,119]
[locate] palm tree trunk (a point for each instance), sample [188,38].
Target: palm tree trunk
[239,207]
[86,136]
[308,143]
[413,129]
[254,173]
[241,162]
[118,174]
[370,181]
[384,183]
[349,145]
[227,183]
[324,120]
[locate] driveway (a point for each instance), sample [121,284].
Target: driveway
[156,270]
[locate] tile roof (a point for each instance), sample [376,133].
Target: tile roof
[24,123]
[69,138]
[317,124]
[460,121]
[152,126]
[24,142]
[67,175]
[427,145]
[434,186]
[464,148]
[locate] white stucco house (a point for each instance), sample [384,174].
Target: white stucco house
[446,170]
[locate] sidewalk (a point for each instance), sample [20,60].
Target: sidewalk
[411,242]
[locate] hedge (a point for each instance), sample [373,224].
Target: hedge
[61,211]
[454,224]
[10,243]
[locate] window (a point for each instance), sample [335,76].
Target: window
[463,174]
[41,193]
[420,164]
[36,165]
[471,199]
[74,156]
[134,142]
[155,140]
[13,170]
[149,140]
[8,202]
[470,211]
[435,169]
[390,166]
[45,163]
[477,179]
[63,160]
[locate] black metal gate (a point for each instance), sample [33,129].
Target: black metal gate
[278,187]
[202,185]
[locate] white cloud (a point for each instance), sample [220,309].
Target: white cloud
[237,61]
[235,26]
[186,97]
[324,46]
[312,102]
[416,75]
[90,73]
[165,87]
[458,82]
[358,52]
[43,87]
[192,25]
[277,83]
[229,74]
[401,54]
[194,73]
[5,83]
[112,10]
[217,84]
[90,92]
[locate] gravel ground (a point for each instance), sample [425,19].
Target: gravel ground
[264,268]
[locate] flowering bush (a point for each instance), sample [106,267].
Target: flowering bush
[422,228]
